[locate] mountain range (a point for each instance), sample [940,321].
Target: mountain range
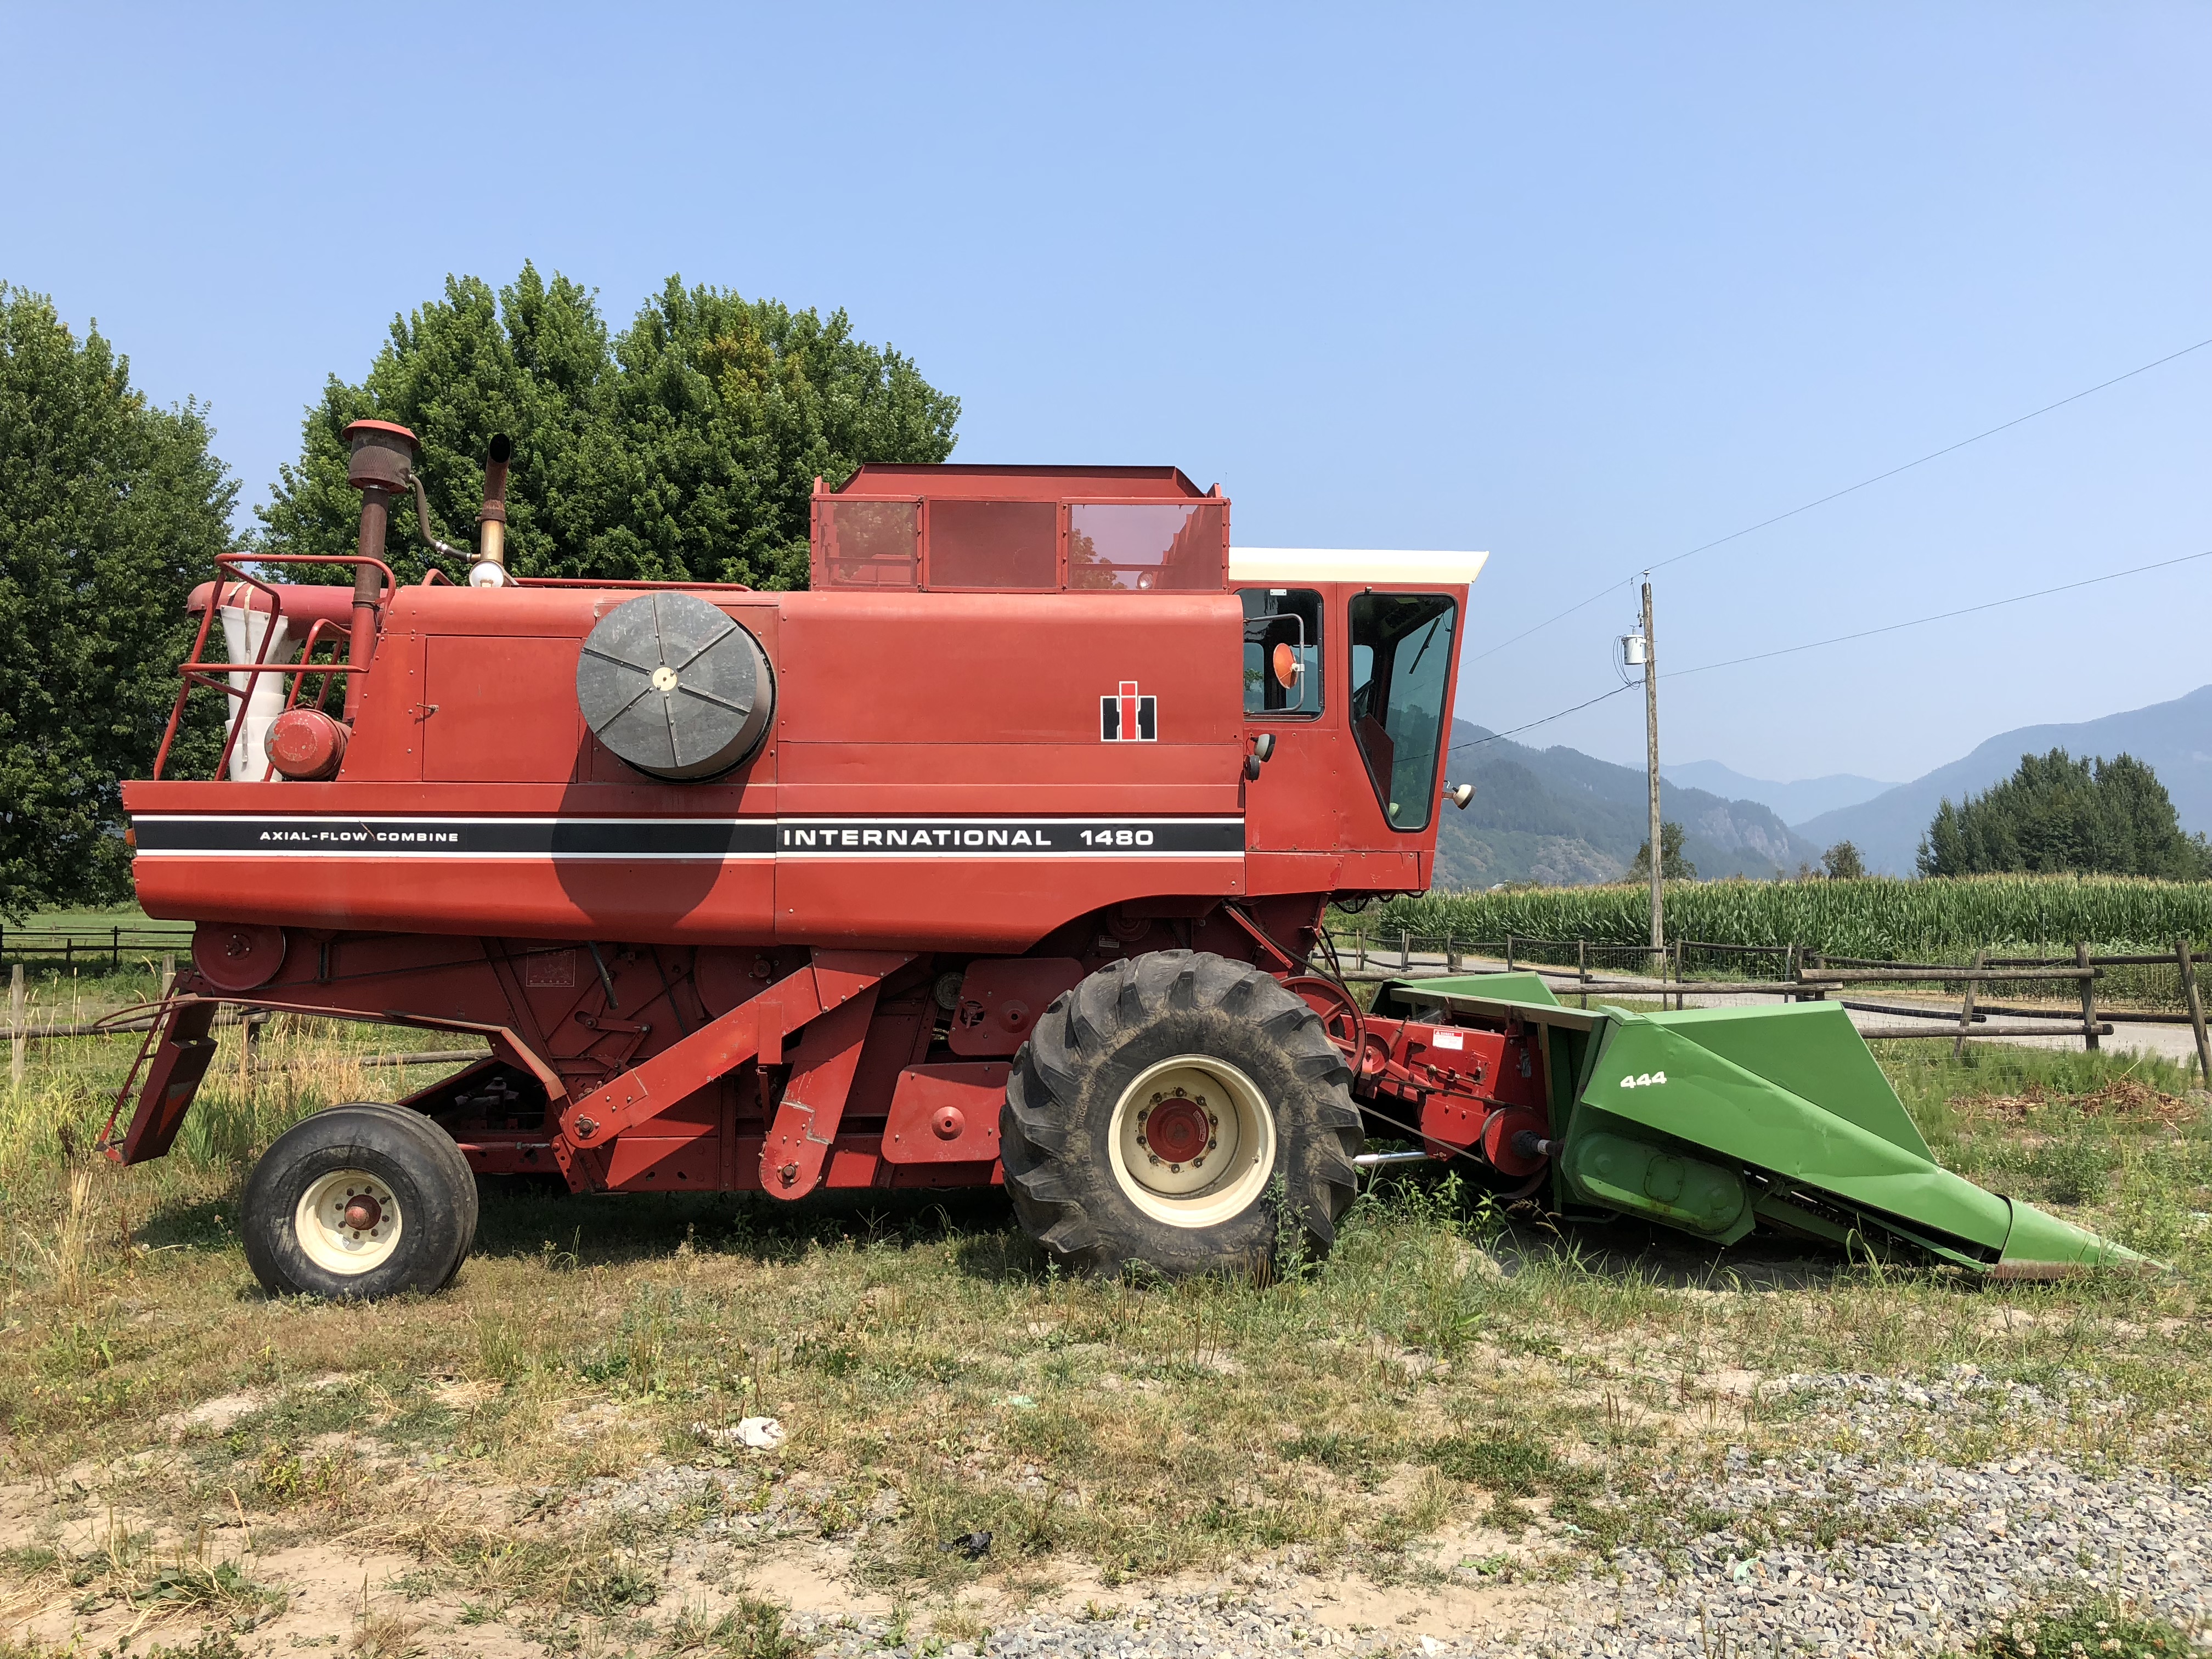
[2174,739]
[1793,803]
[1558,816]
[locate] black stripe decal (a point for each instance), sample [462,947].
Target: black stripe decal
[699,838]
[885,836]
[935,837]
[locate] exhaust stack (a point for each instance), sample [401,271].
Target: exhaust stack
[383,457]
[490,568]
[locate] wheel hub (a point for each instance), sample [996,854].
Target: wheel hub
[1193,1141]
[348,1222]
[1176,1129]
[363,1213]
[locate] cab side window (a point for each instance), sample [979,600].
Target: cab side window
[1282,652]
[1401,650]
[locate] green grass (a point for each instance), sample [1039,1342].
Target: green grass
[2088,1625]
[121,915]
[1447,1361]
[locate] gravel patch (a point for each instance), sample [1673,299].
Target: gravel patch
[1969,1548]
[1819,1554]
[1951,1551]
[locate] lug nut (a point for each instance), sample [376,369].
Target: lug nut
[1175,1168]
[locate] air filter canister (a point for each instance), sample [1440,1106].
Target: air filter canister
[675,687]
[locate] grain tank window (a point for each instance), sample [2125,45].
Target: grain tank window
[1282,652]
[1401,653]
[998,546]
[1146,547]
[871,543]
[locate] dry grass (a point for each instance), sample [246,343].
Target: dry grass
[538,1443]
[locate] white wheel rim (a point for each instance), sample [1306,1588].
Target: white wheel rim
[324,1223]
[1159,1164]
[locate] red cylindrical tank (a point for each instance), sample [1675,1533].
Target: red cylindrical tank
[305,744]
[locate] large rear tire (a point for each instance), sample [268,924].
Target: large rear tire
[1181,1111]
[360,1201]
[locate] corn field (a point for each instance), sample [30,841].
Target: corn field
[1931,921]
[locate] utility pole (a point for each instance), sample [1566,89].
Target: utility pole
[1651,764]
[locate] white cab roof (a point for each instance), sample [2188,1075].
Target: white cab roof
[1291,567]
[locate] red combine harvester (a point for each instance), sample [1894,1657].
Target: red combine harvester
[1001,854]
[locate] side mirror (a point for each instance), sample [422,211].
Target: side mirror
[1459,794]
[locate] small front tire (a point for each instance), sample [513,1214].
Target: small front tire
[360,1201]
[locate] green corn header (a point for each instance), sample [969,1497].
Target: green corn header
[1714,1121]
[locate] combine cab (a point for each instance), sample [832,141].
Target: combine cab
[999,856]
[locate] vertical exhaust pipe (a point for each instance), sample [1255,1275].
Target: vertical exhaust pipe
[383,456]
[490,568]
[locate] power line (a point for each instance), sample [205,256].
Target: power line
[1940,616]
[1477,743]
[1932,455]
[1841,639]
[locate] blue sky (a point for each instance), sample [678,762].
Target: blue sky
[1584,286]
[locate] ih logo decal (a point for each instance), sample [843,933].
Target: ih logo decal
[1128,718]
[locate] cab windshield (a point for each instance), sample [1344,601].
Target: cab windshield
[1401,653]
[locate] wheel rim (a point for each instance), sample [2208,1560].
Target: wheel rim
[1193,1141]
[348,1222]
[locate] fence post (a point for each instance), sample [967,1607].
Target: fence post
[1451,954]
[2089,997]
[169,973]
[1359,946]
[1582,966]
[1509,951]
[114,948]
[15,1017]
[2196,1006]
[1405,949]
[1679,1004]
[1966,1008]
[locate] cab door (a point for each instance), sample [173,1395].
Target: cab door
[1293,810]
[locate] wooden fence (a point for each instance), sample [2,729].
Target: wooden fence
[1803,975]
[90,947]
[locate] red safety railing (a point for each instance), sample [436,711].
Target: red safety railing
[337,634]
[197,671]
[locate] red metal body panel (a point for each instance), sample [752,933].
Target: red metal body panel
[712,984]
[946,1114]
[1000,1001]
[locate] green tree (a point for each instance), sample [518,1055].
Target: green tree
[1673,866]
[685,448]
[2057,814]
[1842,862]
[111,510]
